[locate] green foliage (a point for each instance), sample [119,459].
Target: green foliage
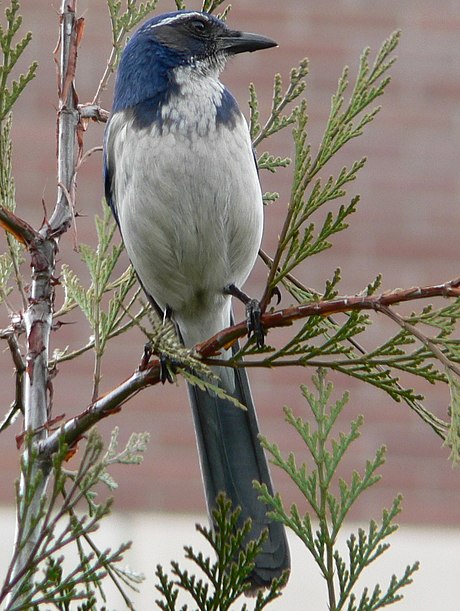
[309,228]
[61,526]
[300,238]
[11,53]
[164,343]
[106,302]
[7,190]
[209,6]
[225,579]
[125,21]
[100,262]
[277,121]
[11,260]
[453,434]
[315,214]
[329,500]
[122,22]
[6,268]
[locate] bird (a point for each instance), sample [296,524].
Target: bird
[182,181]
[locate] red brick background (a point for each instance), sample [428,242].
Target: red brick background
[406,228]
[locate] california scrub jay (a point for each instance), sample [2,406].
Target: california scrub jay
[182,182]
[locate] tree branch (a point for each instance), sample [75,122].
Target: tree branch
[72,430]
[39,314]
[17,227]
[285,317]
[110,403]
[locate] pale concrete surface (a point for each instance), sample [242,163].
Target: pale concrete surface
[158,538]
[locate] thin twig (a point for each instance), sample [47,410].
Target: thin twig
[426,341]
[110,403]
[93,111]
[275,113]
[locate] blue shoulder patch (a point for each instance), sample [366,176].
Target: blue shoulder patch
[148,112]
[228,110]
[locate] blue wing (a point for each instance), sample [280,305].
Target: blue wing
[108,173]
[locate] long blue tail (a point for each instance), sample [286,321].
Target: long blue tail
[231,458]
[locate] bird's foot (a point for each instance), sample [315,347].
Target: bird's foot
[253,313]
[167,365]
[167,369]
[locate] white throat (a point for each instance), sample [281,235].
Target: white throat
[192,110]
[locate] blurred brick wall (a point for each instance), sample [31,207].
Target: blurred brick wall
[406,228]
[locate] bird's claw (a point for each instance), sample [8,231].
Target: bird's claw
[253,314]
[254,322]
[167,365]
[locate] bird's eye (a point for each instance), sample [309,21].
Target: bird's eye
[198,25]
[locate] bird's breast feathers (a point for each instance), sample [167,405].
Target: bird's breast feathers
[191,213]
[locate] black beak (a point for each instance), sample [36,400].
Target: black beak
[234,42]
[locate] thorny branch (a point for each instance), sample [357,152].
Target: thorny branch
[43,246]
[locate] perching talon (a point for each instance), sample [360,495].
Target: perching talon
[254,322]
[166,369]
[253,313]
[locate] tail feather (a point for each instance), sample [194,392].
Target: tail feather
[231,459]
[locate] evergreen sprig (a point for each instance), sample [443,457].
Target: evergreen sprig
[11,53]
[106,302]
[224,579]
[300,237]
[62,526]
[209,6]
[10,261]
[329,500]
[6,268]
[164,343]
[347,121]
[277,119]
[453,434]
[122,23]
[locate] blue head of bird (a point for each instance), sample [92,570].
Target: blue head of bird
[153,58]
